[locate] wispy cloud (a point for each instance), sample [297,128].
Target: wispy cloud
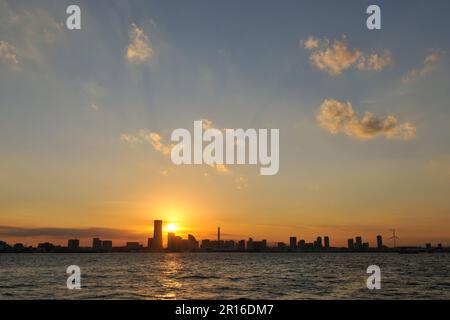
[334,57]
[26,34]
[429,65]
[336,117]
[8,231]
[9,54]
[153,138]
[158,144]
[139,50]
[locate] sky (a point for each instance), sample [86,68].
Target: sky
[86,117]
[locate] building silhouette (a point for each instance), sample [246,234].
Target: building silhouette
[106,245]
[326,242]
[358,243]
[293,243]
[73,244]
[379,242]
[157,242]
[133,246]
[149,243]
[96,244]
[318,243]
[350,244]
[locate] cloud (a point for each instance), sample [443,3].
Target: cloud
[336,57]
[430,64]
[8,231]
[336,117]
[375,62]
[26,34]
[311,43]
[153,138]
[139,50]
[156,141]
[9,54]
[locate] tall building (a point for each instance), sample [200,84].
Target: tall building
[293,243]
[192,243]
[107,245]
[157,243]
[358,244]
[302,244]
[73,244]
[319,242]
[241,245]
[96,243]
[249,244]
[218,233]
[379,242]
[149,243]
[327,242]
[174,242]
[351,244]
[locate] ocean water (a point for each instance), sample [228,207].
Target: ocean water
[225,276]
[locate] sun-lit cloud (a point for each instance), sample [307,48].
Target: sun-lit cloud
[9,54]
[375,62]
[139,50]
[153,138]
[157,142]
[429,65]
[340,117]
[311,43]
[336,56]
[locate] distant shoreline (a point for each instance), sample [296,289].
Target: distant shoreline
[397,251]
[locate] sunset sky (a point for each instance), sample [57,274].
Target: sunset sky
[86,117]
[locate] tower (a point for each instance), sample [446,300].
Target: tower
[379,242]
[218,233]
[157,242]
[327,242]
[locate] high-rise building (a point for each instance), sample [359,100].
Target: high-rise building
[157,243]
[192,243]
[379,242]
[351,244]
[293,243]
[107,245]
[327,242]
[241,245]
[149,243]
[174,242]
[73,244]
[302,244]
[96,243]
[319,242]
[218,233]
[358,243]
[249,244]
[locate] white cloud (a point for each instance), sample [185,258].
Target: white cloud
[336,57]
[336,117]
[430,64]
[139,50]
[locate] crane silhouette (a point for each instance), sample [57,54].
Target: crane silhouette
[394,237]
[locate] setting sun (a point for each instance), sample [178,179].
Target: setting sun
[171,227]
